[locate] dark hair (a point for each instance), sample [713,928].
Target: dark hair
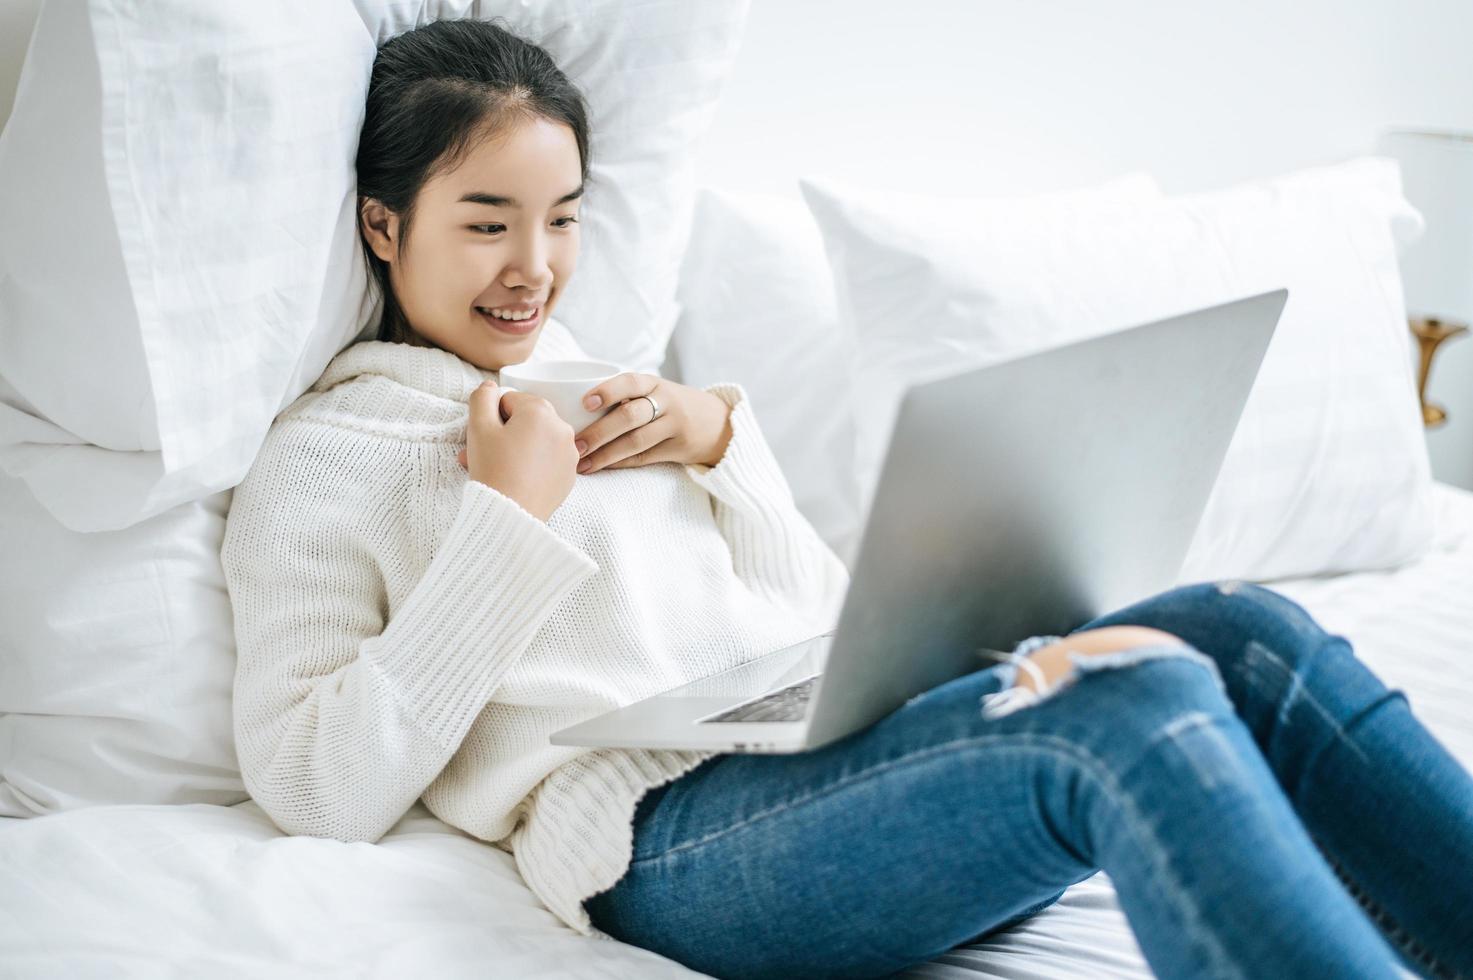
[434,93]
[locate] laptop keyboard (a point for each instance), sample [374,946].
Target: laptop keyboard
[785,704]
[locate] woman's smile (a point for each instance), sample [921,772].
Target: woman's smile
[519,328]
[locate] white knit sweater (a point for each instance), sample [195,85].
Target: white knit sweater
[404,631]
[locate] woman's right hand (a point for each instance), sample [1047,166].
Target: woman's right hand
[529,457]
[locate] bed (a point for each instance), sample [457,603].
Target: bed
[204,890]
[133,850]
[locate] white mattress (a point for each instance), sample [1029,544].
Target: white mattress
[207,890]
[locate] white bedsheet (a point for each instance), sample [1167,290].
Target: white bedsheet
[145,891]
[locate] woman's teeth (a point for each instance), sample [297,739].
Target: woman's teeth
[508,316]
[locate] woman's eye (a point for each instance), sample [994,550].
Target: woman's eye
[495,228]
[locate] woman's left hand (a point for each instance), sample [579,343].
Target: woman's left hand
[694,426]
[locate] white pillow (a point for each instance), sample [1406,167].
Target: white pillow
[1327,470]
[757,307]
[181,257]
[118,658]
[178,190]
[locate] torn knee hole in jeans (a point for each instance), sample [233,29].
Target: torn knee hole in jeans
[1013,697]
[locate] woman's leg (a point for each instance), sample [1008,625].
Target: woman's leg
[944,820]
[1383,799]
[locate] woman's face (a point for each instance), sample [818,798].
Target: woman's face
[497,233]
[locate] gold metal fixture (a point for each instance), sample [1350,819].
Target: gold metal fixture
[1430,333]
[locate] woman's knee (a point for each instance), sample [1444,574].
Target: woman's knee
[1227,620]
[1200,612]
[1249,603]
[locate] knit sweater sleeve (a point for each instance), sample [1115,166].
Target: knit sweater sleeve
[775,550]
[343,716]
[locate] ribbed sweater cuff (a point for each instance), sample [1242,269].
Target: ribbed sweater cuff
[748,476]
[498,574]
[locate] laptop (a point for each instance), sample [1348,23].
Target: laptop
[1019,499]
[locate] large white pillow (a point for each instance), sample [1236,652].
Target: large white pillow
[177,187]
[758,306]
[181,260]
[1327,470]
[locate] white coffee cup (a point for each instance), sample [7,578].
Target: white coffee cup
[564,384]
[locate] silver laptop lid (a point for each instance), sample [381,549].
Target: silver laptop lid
[1074,480]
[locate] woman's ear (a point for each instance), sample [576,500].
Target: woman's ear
[380,227]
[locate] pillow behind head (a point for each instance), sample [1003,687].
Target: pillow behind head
[182,258]
[652,72]
[176,188]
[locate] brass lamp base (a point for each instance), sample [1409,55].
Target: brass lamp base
[1430,332]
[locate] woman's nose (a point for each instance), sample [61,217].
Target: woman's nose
[529,266]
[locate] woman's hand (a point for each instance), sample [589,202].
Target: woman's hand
[526,457]
[694,425]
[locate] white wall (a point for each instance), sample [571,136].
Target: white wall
[1019,95]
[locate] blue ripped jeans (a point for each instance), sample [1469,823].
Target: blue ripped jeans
[1262,803]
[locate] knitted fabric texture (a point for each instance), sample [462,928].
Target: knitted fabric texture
[405,632]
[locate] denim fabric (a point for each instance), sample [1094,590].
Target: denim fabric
[1262,803]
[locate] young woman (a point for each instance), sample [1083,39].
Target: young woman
[427,584]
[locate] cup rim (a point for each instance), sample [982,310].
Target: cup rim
[598,370]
